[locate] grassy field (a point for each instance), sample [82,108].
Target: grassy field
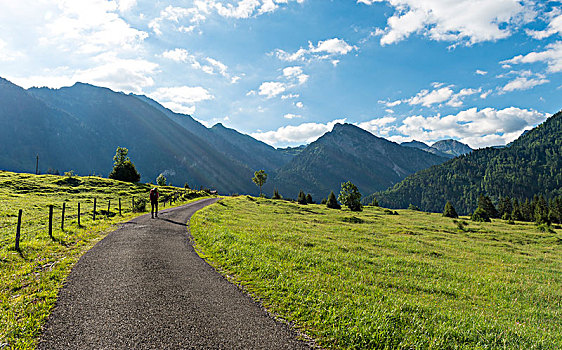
[372,280]
[30,278]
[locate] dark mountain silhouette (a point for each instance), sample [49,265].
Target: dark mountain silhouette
[531,165]
[349,153]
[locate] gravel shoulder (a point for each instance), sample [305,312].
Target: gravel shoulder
[144,287]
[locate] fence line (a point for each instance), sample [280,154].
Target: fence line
[169,198]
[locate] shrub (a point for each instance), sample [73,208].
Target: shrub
[324,200]
[302,198]
[140,205]
[480,215]
[350,196]
[413,207]
[276,195]
[161,180]
[450,211]
[332,202]
[309,199]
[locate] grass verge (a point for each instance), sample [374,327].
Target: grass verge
[30,278]
[371,280]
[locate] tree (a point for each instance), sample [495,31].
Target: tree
[161,180]
[350,196]
[309,198]
[375,202]
[413,207]
[302,198]
[505,207]
[485,203]
[332,202]
[260,177]
[276,194]
[123,168]
[480,215]
[450,211]
[516,212]
[541,211]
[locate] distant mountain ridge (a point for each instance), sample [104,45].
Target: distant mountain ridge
[531,165]
[349,153]
[79,127]
[445,148]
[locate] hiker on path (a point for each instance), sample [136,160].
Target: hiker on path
[154,194]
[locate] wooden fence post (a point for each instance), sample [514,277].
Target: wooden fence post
[108,207]
[133,207]
[79,214]
[62,218]
[51,221]
[119,206]
[18,230]
[94,209]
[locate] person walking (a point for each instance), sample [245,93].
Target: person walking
[154,194]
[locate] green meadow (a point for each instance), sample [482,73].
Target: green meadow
[31,277]
[377,280]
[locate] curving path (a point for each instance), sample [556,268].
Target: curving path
[144,287]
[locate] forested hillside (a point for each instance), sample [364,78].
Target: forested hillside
[531,165]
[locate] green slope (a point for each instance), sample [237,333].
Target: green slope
[530,165]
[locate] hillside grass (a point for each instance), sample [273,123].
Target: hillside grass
[372,280]
[30,279]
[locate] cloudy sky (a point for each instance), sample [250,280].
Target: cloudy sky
[285,71]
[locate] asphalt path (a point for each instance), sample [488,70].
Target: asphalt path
[144,287]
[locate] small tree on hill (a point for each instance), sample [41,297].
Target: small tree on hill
[413,207]
[309,198]
[450,211]
[302,198]
[276,194]
[350,196]
[480,215]
[375,202]
[260,177]
[332,202]
[516,212]
[123,168]
[161,180]
[485,203]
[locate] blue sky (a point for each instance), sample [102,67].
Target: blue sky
[285,71]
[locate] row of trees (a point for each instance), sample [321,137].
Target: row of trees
[539,209]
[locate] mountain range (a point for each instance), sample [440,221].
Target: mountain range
[79,128]
[529,166]
[445,148]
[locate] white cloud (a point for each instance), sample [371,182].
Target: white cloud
[552,56]
[126,5]
[292,116]
[477,128]
[440,94]
[481,72]
[303,133]
[7,55]
[288,96]
[326,49]
[554,26]
[524,83]
[464,21]
[212,66]
[181,99]
[379,126]
[271,89]
[299,104]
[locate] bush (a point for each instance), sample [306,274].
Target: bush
[140,205]
[309,199]
[324,201]
[413,207]
[302,198]
[332,202]
[480,215]
[450,211]
[161,180]
[350,196]
[276,195]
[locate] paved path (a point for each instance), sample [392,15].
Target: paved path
[144,287]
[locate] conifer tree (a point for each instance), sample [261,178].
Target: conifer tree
[301,198]
[309,199]
[485,203]
[350,196]
[450,211]
[332,202]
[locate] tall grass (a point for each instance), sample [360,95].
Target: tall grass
[371,280]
